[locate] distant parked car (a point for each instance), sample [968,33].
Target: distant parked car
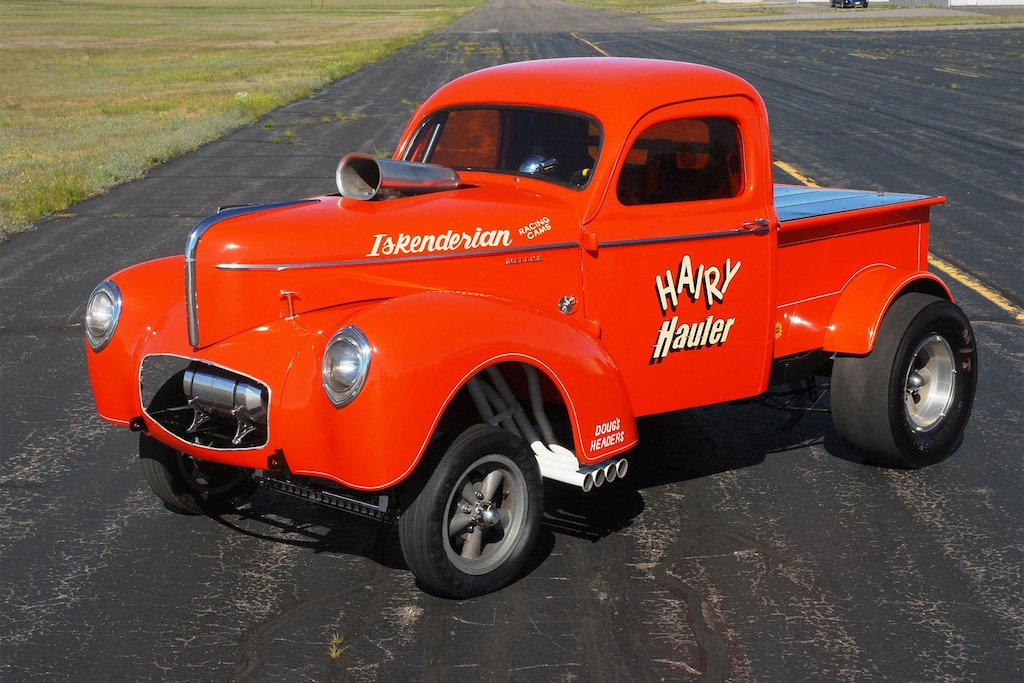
[847,3]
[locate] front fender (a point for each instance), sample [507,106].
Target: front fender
[149,292]
[865,299]
[425,347]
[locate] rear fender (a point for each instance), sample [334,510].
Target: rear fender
[425,348]
[864,302]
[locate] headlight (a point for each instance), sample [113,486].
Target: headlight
[101,314]
[346,363]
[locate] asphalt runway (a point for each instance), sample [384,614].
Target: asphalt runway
[746,544]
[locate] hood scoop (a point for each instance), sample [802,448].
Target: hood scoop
[362,176]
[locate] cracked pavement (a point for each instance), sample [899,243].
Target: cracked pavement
[745,544]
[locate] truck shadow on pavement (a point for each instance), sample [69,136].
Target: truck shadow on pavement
[690,445]
[674,448]
[277,518]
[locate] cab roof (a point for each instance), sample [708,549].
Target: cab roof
[611,89]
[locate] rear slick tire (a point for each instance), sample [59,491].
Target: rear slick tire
[906,403]
[471,527]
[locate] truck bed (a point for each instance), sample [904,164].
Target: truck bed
[826,238]
[798,203]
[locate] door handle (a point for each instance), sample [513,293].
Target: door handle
[760,225]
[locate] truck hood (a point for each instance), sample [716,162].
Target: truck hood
[248,266]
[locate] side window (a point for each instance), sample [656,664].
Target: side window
[471,140]
[683,161]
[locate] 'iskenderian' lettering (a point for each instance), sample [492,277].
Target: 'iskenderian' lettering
[409,245]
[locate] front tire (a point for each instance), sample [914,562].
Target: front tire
[906,403]
[471,527]
[189,485]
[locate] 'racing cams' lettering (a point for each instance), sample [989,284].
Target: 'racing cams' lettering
[534,228]
[403,244]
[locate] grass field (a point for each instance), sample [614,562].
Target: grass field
[92,92]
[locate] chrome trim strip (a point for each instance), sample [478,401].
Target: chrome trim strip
[398,259]
[192,244]
[493,252]
[684,238]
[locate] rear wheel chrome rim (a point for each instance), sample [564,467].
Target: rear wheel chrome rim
[930,383]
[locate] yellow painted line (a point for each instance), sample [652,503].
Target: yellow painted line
[952,271]
[796,174]
[587,42]
[968,281]
[864,55]
[958,72]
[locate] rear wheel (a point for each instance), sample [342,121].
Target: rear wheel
[906,403]
[472,525]
[190,485]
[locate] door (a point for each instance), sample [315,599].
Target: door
[678,261]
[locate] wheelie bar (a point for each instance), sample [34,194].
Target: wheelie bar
[373,506]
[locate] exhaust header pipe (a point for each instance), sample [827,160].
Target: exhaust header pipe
[499,407]
[560,464]
[363,176]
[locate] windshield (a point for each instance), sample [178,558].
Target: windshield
[554,146]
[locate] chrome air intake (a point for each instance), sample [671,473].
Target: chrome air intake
[362,176]
[218,396]
[205,404]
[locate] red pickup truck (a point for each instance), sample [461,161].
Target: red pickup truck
[556,248]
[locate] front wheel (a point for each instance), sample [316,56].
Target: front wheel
[471,527]
[906,403]
[190,485]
